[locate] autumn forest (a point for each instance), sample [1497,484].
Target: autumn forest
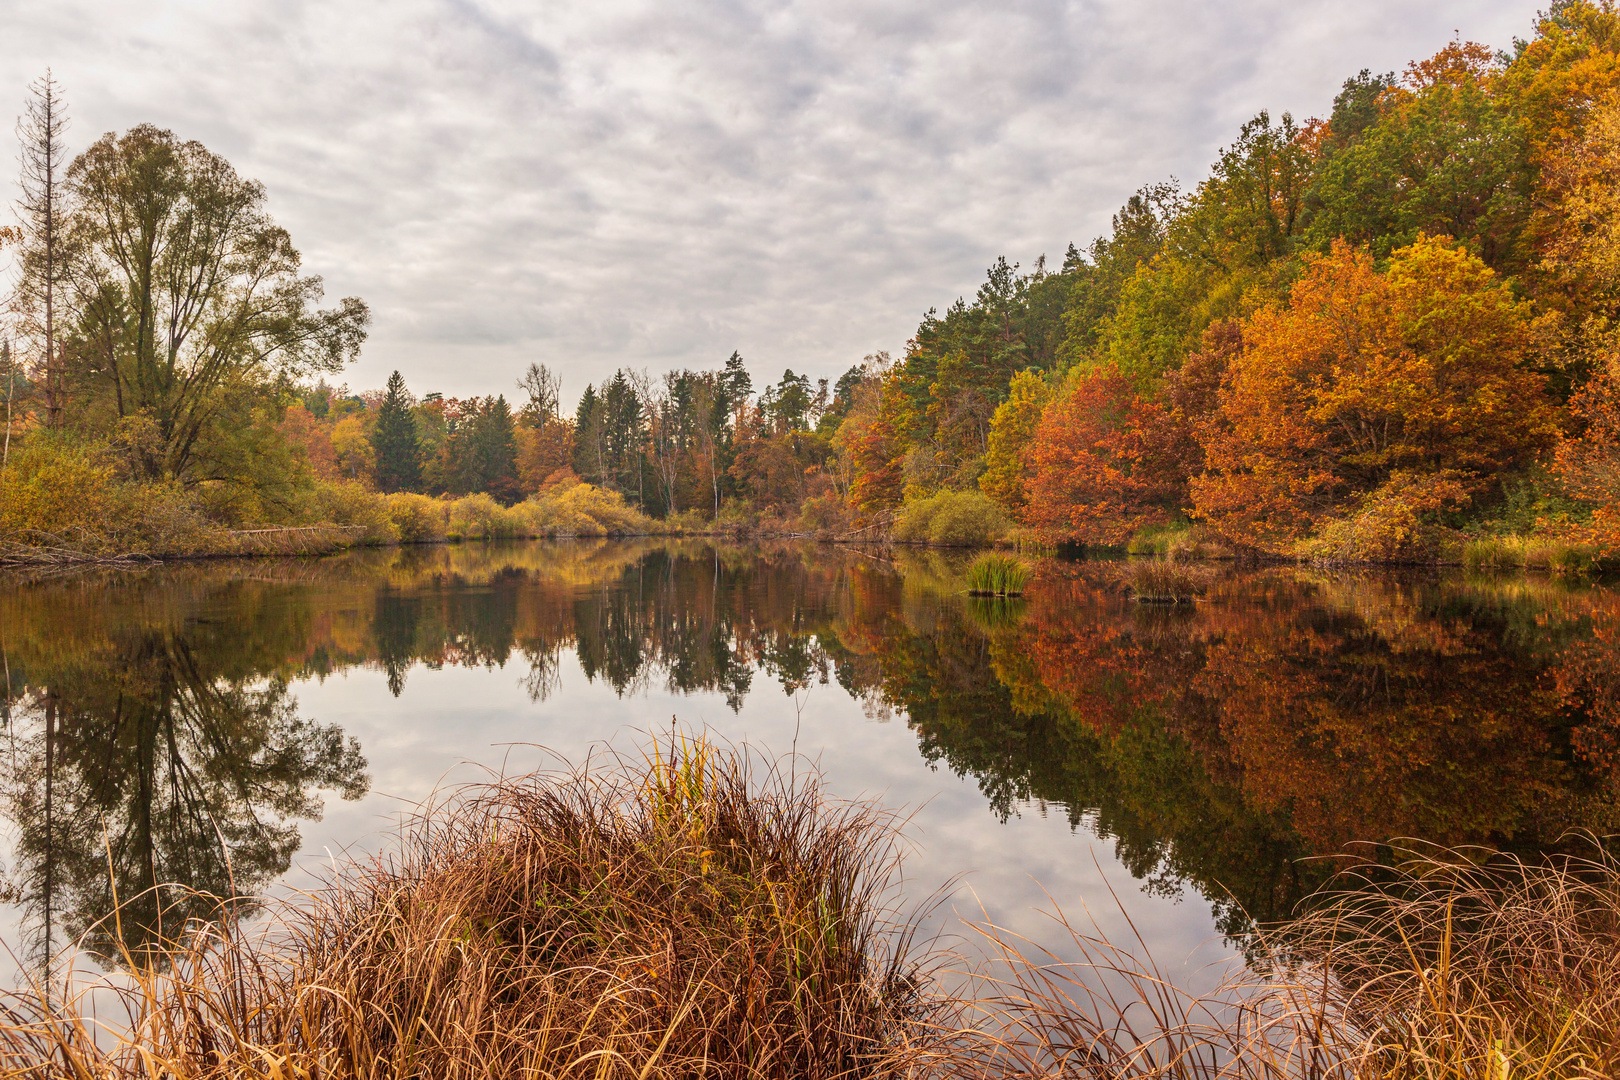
[1387,333]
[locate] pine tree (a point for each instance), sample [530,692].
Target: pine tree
[398,447]
[494,449]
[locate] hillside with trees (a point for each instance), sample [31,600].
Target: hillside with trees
[1389,333]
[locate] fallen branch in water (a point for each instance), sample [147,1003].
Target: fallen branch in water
[292,539]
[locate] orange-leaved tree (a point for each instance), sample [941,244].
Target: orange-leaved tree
[1367,388]
[1097,478]
[1589,464]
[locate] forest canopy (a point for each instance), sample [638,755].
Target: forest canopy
[1380,333]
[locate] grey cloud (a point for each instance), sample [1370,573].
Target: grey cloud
[622,183]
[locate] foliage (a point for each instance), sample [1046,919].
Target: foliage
[395,444]
[1406,382]
[951,519]
[1097,477]
[1012,429]
[417,519]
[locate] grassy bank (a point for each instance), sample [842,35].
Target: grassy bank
[691,910]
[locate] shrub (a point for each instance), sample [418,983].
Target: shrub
[1394,523]
[479,517]
[418,518]
[824,514]
[952,519]
[355,507]
[583,510]
[58,486]
[687,521]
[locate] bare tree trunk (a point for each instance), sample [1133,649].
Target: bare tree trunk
[40,132]
[11,391]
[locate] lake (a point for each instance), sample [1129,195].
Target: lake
[248,725]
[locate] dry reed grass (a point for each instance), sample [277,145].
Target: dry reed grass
[697,912]
[1164,581]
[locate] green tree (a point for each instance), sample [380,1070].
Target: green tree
[493,448]
[394,438]
[191,305]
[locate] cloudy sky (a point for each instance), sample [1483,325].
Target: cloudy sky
[602,183]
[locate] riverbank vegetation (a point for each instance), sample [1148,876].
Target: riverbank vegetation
[688,909]
[1384,334]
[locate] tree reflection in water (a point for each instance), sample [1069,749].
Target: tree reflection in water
[154,754]
[1219,747]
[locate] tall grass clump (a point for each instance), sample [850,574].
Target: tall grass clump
[1163,581]
[1443,967]
[1438,968]
[952,519]
[688,912]
[997,575]
[1527,552]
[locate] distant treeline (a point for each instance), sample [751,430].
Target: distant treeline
[1376,335]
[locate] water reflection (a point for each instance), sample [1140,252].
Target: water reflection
[150,743]
[1219,747]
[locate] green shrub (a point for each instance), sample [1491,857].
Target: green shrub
[952,519]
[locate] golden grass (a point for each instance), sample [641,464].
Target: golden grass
[1164,581]
[1530,553]
[691,913]
[695,911]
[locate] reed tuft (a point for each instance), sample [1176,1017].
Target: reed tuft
[691,913]
[694,911]
[1164,581]
[997,575]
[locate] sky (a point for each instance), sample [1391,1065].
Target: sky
[603,183]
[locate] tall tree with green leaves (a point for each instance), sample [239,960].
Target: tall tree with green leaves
[191,307]
[395,440]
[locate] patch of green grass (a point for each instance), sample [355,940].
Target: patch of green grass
[997,575]
[1515,551]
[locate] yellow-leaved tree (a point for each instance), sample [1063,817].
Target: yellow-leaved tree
[1007,467]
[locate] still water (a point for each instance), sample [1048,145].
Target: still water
[243,725]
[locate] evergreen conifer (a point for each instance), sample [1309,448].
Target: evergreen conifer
[395,440]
